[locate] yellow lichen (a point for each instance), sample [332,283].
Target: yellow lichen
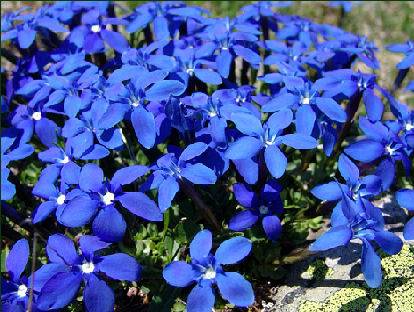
[396,293]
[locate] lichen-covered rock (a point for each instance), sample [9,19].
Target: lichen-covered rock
[395,295]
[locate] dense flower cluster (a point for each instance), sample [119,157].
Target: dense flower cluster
[205,100]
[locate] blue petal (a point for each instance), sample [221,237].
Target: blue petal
[201,244]
[248,169]
[201,298]
[179,274]
[70,173]
[59,291]
[45,273]
[328,191]
[223,61]
[272,227]
[166,193]
[17,259]
[234,288]
[275,160]
[247,123]
[60,249]
[91,178]
[141,205]
[409,230]
[46,131]
[371,265]
[144,126]
[97,296]
[72,105]
[244,195]
[120,266]
[280,120]
[336,236]
[78,212]
[373,105]
[89,244]
[26,38]
[208,76]
[193,150]
[365,150]
[243,221]
[128,175]
[247,54]
[43,211]
[389,242]
[283,101]
[245,147]
[233,250]
[299,141]
[349,171]
[305,120]
[109,225]
[331,109]
[162,90]
[115,40]
[405,198]
[199,174]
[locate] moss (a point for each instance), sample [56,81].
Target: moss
[317,271]
[396,293]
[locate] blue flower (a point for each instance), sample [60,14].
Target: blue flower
[92,34]
[13,147]
[360,220]
[353,85]
[264,205]
[15,292]
[206,270]
[354,187]
[132,99]
[267,137]
[73,268]
[32,23]
[171,169]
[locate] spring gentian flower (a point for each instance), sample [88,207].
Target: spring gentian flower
[380,142]
[100,204]
[92,34]
[360,220]
[15,292]
[306,101]
[132,98]
[405,199]
[206,270]
[170,169]
[74,268]
[353,85]
[354,187]
[267,137]
[12,148]
[32,23]
[264,205]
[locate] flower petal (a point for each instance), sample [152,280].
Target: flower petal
[234,288]
[179,274]
[233,250]
[201,244]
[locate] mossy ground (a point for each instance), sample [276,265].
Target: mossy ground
[395,295]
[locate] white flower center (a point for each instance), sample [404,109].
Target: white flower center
[409,126]
[88,267]
[95,28]
[263,210]
[212,114]
[37,115]
[209,273]
[61,199]
[390,150]
[108,198]
[65,160]
[22,291]
[190,71]
[305,101]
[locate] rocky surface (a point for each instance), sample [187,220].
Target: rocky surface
[332,280]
